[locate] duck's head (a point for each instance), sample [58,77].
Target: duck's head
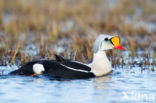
[106,42]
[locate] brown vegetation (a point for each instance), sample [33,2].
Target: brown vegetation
[74,23]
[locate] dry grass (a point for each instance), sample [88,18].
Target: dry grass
[45,22]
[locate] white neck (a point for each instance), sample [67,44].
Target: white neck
[100,65]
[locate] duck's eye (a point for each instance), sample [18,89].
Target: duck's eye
[106,39]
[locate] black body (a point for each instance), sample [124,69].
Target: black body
[59,68]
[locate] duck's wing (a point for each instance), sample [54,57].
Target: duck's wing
[68,70]
[71,64]
[76,65]
[65,69]
[59,58]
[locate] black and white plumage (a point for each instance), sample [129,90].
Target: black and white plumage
[62,68]
[59,68]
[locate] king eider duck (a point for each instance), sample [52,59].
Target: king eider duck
[68,69]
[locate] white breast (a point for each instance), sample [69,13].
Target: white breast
[38,68]
[100,65]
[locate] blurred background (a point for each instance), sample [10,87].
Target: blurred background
[36,29]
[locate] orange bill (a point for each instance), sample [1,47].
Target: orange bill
[116,42]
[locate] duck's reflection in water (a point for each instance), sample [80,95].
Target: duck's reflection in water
[102,82]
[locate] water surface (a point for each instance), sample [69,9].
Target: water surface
[123,85]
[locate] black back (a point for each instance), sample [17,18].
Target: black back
[59,58]
[57,70]
[60,68]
